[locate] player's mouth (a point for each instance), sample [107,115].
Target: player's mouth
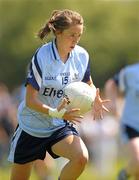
[72,47]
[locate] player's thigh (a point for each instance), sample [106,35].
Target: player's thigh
[21,171]
[48,163]
[70,147]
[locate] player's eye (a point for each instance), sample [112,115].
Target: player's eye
[76,35]
[72,35]
[79,35]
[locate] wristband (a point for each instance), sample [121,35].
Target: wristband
[55,113]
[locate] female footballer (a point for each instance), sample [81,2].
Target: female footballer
[44,124]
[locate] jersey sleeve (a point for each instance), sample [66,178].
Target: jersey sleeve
[120,80]
[34,76]
[116,78]
[87,74]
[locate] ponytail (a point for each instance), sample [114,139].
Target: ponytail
[44,31]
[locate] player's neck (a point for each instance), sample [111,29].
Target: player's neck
[63,54]
[63,57]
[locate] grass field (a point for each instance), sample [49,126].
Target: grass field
[89,174]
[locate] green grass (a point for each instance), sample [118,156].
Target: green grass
[89,174]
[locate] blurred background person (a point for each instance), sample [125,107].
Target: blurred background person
[101,139]
[7,120]
[127,81]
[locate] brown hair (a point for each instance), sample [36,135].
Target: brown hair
[59,21]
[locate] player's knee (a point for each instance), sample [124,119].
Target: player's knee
[82,159]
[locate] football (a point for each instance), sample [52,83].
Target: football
[80,95]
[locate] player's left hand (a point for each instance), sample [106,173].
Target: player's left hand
[98,106]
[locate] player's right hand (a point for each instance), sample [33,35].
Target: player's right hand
[72,115]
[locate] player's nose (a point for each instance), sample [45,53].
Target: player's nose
[75,40]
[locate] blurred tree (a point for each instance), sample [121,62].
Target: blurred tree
[111,34]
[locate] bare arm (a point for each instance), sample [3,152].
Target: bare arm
[33,102]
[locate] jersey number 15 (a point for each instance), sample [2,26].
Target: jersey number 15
[64,80]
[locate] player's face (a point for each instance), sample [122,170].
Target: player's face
[70,37]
